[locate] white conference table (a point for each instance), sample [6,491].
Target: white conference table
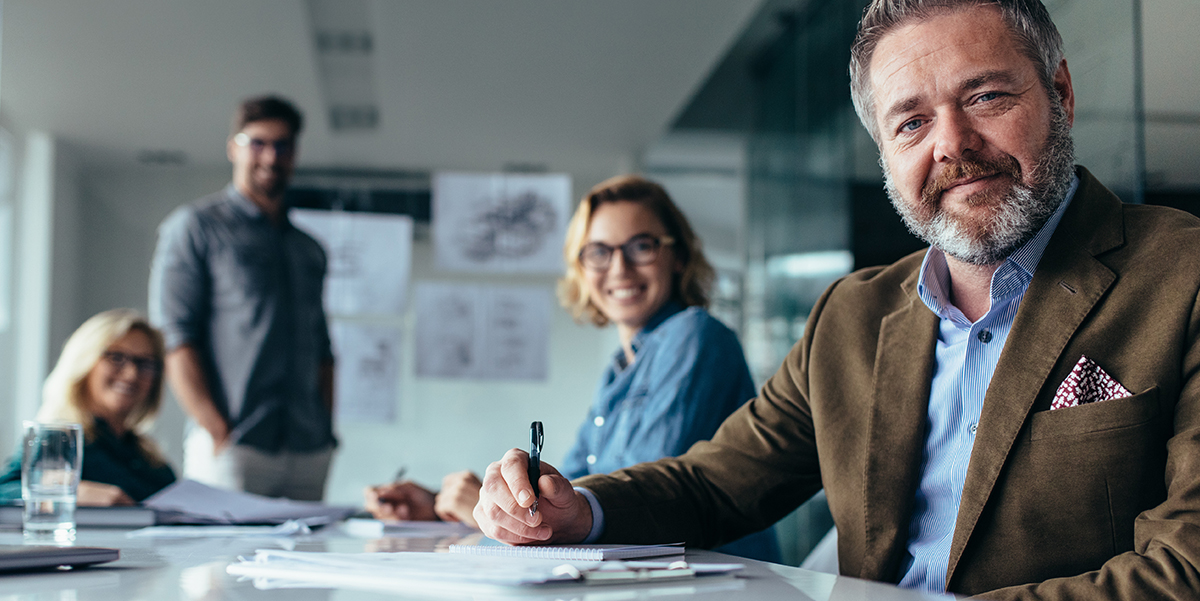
[194,570]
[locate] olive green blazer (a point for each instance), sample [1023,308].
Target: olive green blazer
[1095,501]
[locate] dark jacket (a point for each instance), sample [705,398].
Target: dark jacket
[106,459]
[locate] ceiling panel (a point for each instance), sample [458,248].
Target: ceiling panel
[470,84]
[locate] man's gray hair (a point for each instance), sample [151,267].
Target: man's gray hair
[1027,19]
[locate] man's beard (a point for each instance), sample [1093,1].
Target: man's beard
[269,187]
[1012,219]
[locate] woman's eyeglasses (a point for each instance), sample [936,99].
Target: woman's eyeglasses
[146,366]
[641,249]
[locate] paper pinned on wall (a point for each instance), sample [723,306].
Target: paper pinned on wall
[368,371]
[500,222]
[369,257]
[482,332]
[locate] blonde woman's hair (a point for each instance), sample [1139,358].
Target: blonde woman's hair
[690,286]
[65,395]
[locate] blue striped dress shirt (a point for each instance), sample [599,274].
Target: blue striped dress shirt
[966,356]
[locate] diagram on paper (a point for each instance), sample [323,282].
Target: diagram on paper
[510,223]
[482,332]
[369,259]
[367,371]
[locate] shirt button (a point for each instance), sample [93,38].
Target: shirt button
[599,421]
[591,459]
[974,427]
[985,336]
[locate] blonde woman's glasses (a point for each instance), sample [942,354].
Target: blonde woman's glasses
[641,249]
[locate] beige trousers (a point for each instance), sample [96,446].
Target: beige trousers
[295,475]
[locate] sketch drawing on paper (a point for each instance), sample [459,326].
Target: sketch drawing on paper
[510,342]
[368,371]
[369,259]
[449,349]
[510,228]
[345,260]
[477,331]
[507,223]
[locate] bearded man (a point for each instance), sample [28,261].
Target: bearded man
[237,292]
[1012,413]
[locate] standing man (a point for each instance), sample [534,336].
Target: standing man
[1013,413]
[237,292]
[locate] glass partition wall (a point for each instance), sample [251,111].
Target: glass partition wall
[812,195]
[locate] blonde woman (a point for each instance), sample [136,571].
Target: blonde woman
[633,261]
[109,379]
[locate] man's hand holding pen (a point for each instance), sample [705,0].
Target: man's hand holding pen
[563,515]
[399,501]
[408,500]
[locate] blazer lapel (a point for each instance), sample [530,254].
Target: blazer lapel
[899,409]
[1068,283]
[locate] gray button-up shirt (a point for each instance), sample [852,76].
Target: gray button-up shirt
[246,294]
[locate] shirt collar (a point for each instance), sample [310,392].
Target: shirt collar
[247,206]
[934,282]
[671,308]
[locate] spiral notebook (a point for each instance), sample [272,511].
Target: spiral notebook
[575,553]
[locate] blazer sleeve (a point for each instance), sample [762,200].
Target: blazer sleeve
[760,465]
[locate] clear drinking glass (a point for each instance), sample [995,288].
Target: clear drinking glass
[51,463]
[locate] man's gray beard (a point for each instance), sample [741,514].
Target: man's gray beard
[1023,211]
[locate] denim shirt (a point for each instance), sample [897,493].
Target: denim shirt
[688,375]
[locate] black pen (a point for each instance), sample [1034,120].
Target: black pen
[535,462]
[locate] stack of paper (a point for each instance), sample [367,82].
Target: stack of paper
[575,553]
[288,528]
[86,516]
[437,572]
[190,502]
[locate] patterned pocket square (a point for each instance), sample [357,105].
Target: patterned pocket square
[1088,383]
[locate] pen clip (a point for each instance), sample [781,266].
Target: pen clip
[536,438]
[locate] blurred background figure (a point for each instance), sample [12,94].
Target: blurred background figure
[632,261]
[109,379]
[237,291]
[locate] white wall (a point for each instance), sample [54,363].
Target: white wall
[31,323]
[65,251]
[8,286]
[441,425]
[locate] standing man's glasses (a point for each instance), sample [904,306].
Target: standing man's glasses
[283,147]
[641,249]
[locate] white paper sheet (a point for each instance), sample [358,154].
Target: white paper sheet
[369,259]
[368,371]
[500,222]
[432,573]
[366,528]
[197,503]
[482,332]
[288,528]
